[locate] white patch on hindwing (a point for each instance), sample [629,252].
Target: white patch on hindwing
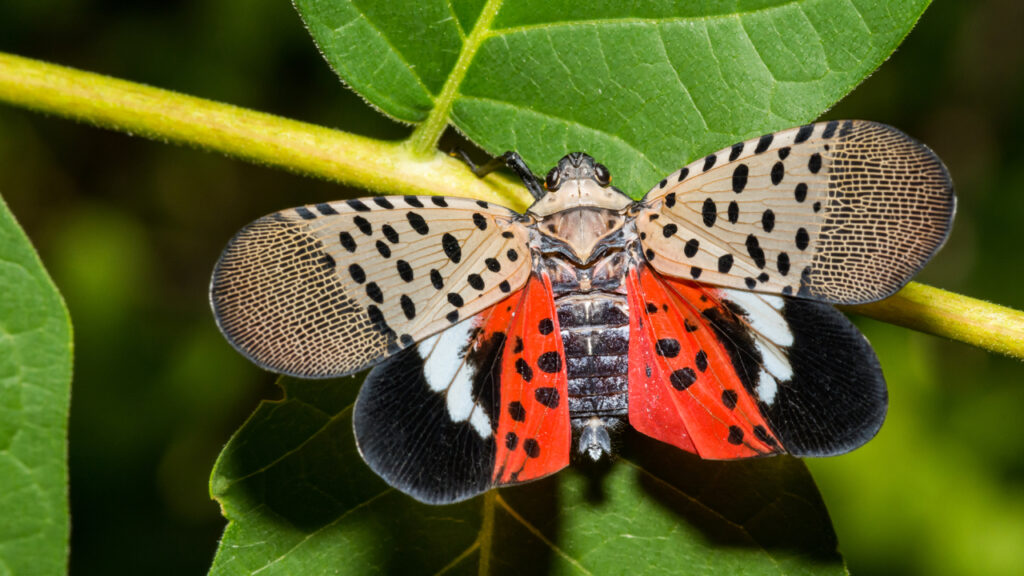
[447,372]
[771,335]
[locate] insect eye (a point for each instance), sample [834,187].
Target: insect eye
[601,173]
[551,181]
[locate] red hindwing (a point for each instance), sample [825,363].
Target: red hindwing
[683,386]
[533,436]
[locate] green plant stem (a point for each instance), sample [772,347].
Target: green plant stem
[934,311]
[388,167]
[424,138]
[393,168]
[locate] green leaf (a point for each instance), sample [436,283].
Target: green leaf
[35,385]
[643,87]
[301,501]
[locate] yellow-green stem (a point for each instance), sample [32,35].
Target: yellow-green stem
[388,167]
[393,168]
[934,311]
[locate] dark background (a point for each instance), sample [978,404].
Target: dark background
[130,230]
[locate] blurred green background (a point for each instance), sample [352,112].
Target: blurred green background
[130,230]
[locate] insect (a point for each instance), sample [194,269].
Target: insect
[502,343]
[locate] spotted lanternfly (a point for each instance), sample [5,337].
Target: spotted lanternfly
[504,342]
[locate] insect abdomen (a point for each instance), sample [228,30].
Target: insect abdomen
[595,332]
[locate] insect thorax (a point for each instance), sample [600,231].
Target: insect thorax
[584,253]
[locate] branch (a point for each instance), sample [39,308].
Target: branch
[934,311]
[387,167]
[393,168]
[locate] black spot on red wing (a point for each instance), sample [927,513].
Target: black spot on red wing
[436,279]
[363,224]
[455,300]
[768,220]
[511,440]
[389,233]
[725,262]
[729,398]
[357,273]
[374,292]
[667,347]
[524,370]
[451,247]
[347,241]
[492,264]
[670,199]
[519,346]
[814,164]
[709,212]
[480,221]
[761,434]
[408,308]
[413,201]
[546,326]
[692,245]
[804,133]
[735,435]
[383,248]
[531,447]
[505,286]
[739,178]
[652,308]
[475,281]
[357,205]
[701,361]
[547,396]
[647,370]
[418,223]
[326,209]
[683,378]
[550,362]
[669,230]
[405,271]
[516,411]
[689,326]
[764,143]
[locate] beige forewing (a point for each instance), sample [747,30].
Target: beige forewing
[844,212]
[329,289]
